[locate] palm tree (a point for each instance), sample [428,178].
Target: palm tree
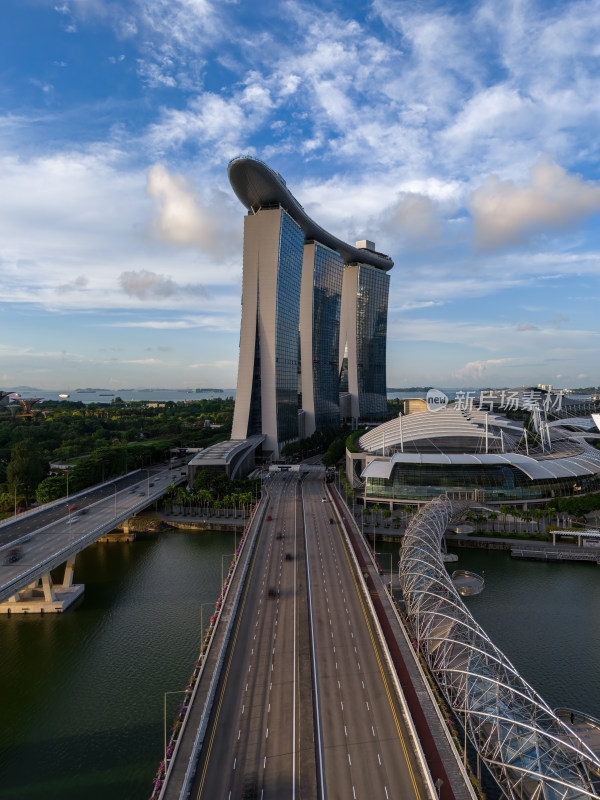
[504,510]
[515,513]
[376,508]
[493,517]
[538,515]
[386,513]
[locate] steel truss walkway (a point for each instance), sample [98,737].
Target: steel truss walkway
[529,751]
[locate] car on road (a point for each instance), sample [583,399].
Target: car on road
[272,591]
[279,535]
[323,499]
[269,519]
[331,520]
[71,520]
[73,508]
[13,555]
[289,557]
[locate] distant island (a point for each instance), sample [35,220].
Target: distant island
[199,391]
[411,389]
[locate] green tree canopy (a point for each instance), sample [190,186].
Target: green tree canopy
[26,467]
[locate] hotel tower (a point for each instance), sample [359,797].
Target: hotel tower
[314,318]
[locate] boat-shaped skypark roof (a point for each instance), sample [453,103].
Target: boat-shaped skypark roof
[258,186]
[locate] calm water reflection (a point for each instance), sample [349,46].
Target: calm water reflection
[82,694]
[544,617]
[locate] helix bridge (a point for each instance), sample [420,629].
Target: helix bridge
[530,752]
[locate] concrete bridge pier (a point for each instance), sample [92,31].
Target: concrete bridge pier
[43,596]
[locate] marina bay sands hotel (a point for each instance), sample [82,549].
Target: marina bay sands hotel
[314,318]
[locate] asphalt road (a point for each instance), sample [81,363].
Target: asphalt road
[29,523]
[255,744]
[366,748]
[273,733]
[50,531]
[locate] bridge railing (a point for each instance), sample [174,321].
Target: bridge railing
[73,547]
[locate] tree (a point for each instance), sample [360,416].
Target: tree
[504,510]
[51,488]
[376,508]
[26,467]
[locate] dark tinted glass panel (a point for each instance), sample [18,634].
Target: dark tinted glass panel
[371,331]
[289,271]
[327,288]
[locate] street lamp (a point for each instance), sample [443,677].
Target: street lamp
[181,691]
[202,618]
[374,520]
[16,487]
[115,488]
[226,555]
[389,555]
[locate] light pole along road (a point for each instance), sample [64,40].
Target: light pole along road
[305,707]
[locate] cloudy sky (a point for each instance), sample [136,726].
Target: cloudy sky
[462,137]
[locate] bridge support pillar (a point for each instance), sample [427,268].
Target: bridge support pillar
[48,588]
[43,596]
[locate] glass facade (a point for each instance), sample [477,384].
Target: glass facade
[496,483]
[327,294]
[255,415]
[289,273]
[371,330]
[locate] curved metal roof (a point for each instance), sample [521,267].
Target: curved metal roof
[256,185]
[446,422]
[573,467]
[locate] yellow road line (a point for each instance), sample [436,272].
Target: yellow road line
[376,651]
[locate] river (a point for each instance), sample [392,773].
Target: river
[545,617]
[82,693]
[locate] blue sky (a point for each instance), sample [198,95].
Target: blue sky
[461,137]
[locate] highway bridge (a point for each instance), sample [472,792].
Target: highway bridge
[53,535]
[301,698]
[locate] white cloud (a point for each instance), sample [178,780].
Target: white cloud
[415,217]
[145,285]
[505,213]
[476,370]
[218,323]
[526,326]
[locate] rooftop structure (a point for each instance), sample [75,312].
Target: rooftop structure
[235,458]
[475,455]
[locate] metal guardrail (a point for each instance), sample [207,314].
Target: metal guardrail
[199,739]
[74,547]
